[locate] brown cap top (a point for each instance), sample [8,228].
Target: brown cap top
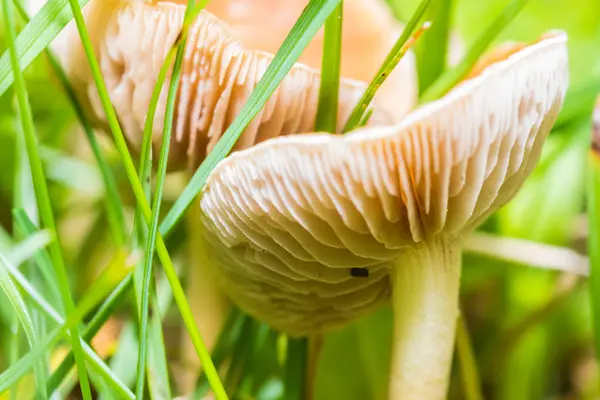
[290,221]
[218,75]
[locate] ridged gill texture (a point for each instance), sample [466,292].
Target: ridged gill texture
[294,224]
[132,40]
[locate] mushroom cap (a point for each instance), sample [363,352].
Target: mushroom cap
[132,39]
[291,222]
[369,32]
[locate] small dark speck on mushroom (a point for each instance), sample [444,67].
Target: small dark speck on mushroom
[359,272]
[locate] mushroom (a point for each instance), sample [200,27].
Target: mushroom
[369,32]
[308,232]
[131,39]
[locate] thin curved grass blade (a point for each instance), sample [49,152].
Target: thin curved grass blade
[326,120]
[106,282]
[578,105]
[410,34]
[593,210]
[147,276]
[98,320]
[29,247]
[41,188]
[36,36]
[466,358]
[95,362]
[449,79]
[296,362]
[21,310]
[114,205]
[432,49]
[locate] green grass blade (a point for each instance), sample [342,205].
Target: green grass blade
[114,205]
[449,79]
[70,172]
[466,358]
[29,247]
[578,105]
[18,370]
[42,258]
[158,381]
[330,72]
[432,49]
[24,192]
[141,237]
[147,279]
[156,364]
[127,350]
[104,284]
[149,254]
[230,334]
[14,348]
[22,252]
[253,376]
[19,307]
[295,364]
[158,374]
[240,354]
[35,37]
[101,316]
[41,190]
[311,20]
[37,299]
[117,388]
[142,203]
[128,345]
[91,357]
[15,323]
[410,33]
[593,209]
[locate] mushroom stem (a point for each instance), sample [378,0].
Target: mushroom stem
[425,285]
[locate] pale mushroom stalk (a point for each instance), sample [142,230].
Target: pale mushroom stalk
[309,232]
[425,288]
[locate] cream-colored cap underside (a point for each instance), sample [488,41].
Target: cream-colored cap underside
[286,220]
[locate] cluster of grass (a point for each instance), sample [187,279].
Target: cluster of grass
[528,331]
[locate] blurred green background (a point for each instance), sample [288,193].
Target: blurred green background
[531,329]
